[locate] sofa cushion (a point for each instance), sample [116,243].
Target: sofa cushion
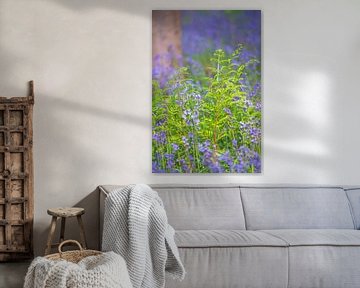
[322,258]
[324,266]
[296,208]
[200,207]
[315,237]
[226,238]
[190,207]
[220,267]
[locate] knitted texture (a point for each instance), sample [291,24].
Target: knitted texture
[136,227]
[102,271]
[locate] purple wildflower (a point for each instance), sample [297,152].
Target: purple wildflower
[226,157]
[255,134]
[255,90]
[258,106]
[159,137]
[184,166]
[215,168]
[170,160]
[227,111]
[248,103]
[239,168]
[175,147]
[256,162]
[185,141]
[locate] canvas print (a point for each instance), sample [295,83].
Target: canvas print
[206,91]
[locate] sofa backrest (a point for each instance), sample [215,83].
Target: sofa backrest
[296,208]
[234,207]
[354,198]
[199,207]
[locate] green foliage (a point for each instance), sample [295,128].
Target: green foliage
[208,123]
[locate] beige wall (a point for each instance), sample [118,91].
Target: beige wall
[91,62]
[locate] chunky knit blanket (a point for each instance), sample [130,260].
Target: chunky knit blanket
[102,271]
[136,227]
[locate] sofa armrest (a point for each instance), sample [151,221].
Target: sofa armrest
[103,195]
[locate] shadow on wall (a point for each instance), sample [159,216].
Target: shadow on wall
[72,160]
[60,160]
[63,162]
[80,108]
[143,7]
[136,7]
[69,157]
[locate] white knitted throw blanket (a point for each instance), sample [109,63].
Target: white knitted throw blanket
[103,271]
[136,227]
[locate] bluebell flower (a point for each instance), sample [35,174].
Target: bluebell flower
[160,137]
[170,160]
[227,111]
[215,168]
[239,168]
[243,150]
[255,90]
[255,160]
[226,157]
[248,103]
[160,122]
[258,106]
[197,97]
[186,142]
[184,166]
[175,147]
[156,168]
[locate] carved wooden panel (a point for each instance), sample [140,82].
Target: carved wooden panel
[16,177]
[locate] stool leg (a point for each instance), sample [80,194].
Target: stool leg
[82,232]
[62,231]
[51,235]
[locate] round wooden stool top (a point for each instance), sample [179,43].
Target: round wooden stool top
[66,211]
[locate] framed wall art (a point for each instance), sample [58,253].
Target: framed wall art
[206,91]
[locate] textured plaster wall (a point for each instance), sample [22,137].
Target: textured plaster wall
[91,63]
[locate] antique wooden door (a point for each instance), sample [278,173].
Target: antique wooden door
[16,177]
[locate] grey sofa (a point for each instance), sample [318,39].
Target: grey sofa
[264,236]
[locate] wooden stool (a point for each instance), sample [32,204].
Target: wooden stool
[64,213]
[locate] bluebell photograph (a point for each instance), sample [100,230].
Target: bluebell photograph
[206,91]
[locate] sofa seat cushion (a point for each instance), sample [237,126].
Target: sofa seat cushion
[317,237]
[225,238]
[323,258]
[235,267]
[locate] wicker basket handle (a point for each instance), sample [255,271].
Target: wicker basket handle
[69,241]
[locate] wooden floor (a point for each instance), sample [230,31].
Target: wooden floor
[12,274]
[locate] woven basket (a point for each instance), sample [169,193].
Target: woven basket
[72,256]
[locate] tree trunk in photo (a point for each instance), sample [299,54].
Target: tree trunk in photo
[166,37]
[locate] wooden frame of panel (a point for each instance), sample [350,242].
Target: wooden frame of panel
[16,177]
